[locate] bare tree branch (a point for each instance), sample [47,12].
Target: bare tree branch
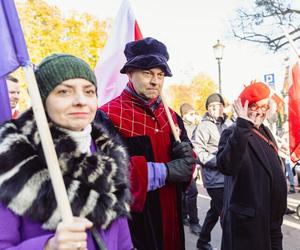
[261,23]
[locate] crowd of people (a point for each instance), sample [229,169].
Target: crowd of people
[130,183]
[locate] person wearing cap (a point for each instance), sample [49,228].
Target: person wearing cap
[189,207]
[255,191]
[159,167]
[205,140]
[92,162]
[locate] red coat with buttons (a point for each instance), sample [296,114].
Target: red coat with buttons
[156,215]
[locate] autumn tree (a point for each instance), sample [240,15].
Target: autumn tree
[261,22]
[202,86]
[194,93]
[48,31]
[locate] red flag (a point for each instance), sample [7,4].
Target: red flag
[294,113]
[110,81]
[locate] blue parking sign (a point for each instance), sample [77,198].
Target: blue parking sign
[270,80]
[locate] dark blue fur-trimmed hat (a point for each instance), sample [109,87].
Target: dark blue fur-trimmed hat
[147,53]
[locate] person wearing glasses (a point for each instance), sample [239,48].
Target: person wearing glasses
[255,191]
[205,140]
[160,168]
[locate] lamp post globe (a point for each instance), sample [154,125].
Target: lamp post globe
[218,51]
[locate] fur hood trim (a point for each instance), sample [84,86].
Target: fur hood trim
[96,183]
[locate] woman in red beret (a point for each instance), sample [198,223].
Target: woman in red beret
[255,188]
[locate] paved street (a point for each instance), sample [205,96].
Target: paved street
[291,224]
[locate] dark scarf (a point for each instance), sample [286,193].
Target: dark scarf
[96,184]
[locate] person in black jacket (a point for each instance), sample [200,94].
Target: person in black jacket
[255,189]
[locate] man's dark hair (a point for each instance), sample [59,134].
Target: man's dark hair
[12,78]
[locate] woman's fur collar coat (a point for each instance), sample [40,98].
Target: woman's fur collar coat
[96,184]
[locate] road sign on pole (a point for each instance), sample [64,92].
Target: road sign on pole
[270,80]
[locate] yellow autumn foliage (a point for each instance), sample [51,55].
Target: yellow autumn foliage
[194,93]
[47,30]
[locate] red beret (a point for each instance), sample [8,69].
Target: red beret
[255,92]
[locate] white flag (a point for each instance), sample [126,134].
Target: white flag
[110,81]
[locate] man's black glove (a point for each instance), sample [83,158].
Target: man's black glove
[181,150]
[180,170]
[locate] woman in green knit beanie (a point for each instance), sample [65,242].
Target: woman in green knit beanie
[93,165]
[59,78]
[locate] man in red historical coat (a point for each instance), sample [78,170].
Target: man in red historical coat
[159,167]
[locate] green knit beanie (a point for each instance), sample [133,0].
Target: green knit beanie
[56,68]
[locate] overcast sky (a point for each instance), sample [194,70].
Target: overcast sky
[189,29]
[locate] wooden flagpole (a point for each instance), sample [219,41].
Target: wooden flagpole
[170,119]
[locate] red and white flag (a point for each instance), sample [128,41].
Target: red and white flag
[125,29]
[294,113]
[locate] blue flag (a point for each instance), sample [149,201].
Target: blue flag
[5,111]
[13,51]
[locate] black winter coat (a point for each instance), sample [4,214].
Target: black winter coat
[255,189]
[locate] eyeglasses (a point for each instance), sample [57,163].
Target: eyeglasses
[263,108]
[148,74]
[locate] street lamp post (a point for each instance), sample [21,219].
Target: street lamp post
[218,51]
